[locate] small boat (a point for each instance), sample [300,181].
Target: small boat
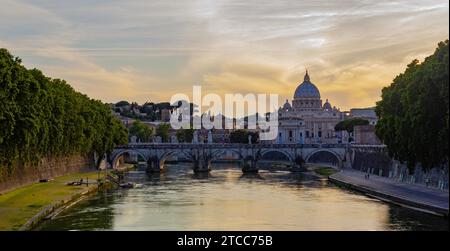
[127,185]
[75,183]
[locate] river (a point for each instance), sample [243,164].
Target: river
[226,199]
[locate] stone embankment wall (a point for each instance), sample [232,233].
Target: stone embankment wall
[377,162]
[47,168]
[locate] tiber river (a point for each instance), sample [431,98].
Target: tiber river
[228,200]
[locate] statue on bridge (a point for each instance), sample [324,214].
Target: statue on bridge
[195,137]
[210,138]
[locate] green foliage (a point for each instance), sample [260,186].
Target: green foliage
[21,204]
[325,171]
[185,135]
[147,112]
[141,131]
[40,117]
[349,124]
[163,131]
[414,112]
[241,136]
[122,103]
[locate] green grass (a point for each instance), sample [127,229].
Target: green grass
[19,205]
[325,171]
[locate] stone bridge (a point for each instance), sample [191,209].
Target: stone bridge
[249,155]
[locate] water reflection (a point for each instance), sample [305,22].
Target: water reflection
[226,199]
[413,220]
[201,176]
[251,176]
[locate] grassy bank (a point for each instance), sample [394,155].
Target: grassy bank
[325,171]
[19,205]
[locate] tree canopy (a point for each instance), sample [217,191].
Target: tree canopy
[185,135]
[241,136]
[122,103]
[142,131]
[162,130]
[349,124]
[414,112]
[41,117]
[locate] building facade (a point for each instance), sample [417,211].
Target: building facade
[307,120]
[364,113]
[365,135]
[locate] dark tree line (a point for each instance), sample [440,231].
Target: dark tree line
[185,135]
[41,117]
[414,112]
[149,111]
[241,136]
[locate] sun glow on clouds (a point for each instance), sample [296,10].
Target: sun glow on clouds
[140,50]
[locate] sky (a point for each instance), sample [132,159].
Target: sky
[150,50]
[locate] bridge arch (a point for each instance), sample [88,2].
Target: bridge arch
[324,156]
[172,153]
[117,154]
[276,155]
[216,154]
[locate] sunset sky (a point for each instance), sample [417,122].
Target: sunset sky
[149,50]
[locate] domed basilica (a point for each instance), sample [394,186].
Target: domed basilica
[307,120]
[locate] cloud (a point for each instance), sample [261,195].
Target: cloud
[149,50]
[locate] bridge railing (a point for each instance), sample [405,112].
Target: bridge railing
[238,145]
[361,145]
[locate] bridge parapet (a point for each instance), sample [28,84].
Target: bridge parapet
[369,148]
[229,145]
[203,153]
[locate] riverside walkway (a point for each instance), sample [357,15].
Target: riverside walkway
[410,195]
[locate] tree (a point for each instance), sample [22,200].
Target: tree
[122,103]
[141,131]
[349,124]
[185,135]
[163,131]
[414,112]
[241,136]
[42,117]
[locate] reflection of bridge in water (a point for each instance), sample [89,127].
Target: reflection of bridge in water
[249,155]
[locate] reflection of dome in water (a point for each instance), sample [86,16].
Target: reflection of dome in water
[306,89]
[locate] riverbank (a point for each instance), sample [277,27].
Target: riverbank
[23,174]
[417,197]
[176,198]
[22,208]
